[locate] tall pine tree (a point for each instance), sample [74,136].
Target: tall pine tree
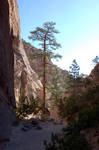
[45,36]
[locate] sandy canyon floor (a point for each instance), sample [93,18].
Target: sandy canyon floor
[32,139]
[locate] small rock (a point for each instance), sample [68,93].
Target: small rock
[34,122]
[27,126]
[24,129]
[4,140]
[39,128]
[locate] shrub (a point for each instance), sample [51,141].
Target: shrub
[34,105]
[71,138]
[88,81]
[67,142]
[72,128]
[27,106]
[70,106]
[93,95]
[21,105]
[88,118]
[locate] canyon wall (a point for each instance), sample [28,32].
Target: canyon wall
[36,63]
[16,75]
[26,80]
[94,75]
[9,37]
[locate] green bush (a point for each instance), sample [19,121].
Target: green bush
[88,118]
[75,103]
[93,95]
[34,105]
[71,138]
[72,128]
[88,81]
[67,142]
[27,106]
[70,106]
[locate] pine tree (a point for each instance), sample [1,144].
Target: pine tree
[74,69]
[57,87]
[72,79]
[47,41]
[95,60]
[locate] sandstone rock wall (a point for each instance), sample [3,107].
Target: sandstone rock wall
[9,37]
[26,80]
[36,64]
[15,71]
[94,75]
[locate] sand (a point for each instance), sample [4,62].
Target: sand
[33,138]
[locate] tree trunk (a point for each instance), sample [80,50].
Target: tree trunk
[44,76]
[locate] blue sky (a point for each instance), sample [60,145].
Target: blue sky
[77,21]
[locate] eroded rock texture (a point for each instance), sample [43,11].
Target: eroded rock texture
[36,64]
[26,80]
[15,71]
[9,36]
[95,73]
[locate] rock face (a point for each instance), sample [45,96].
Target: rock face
[9,37]
[15,71]
[26,80]
[36,64]
[95,73]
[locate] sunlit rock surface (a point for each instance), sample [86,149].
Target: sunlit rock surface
[26,80]
[94,75]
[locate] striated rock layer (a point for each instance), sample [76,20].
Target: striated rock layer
[16,75]
[26,80]
[36,64]
[9,37]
